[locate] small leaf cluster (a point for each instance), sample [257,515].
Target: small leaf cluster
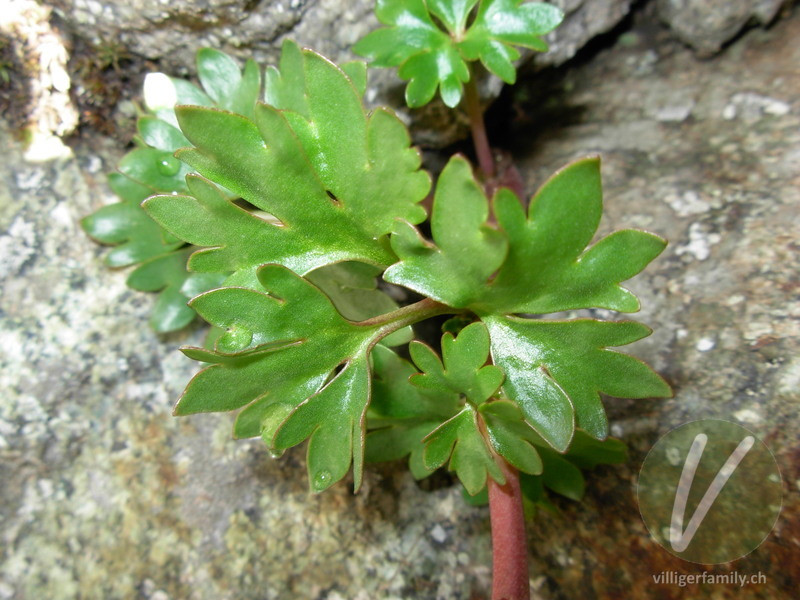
[562,473]
[432,42]
[151,168]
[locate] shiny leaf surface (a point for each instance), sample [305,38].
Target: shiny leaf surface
[463,369]
[295,366]
[466,251]
[323,148]
[548,268]
[555,371]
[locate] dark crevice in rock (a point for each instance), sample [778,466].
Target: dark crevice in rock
[16,96]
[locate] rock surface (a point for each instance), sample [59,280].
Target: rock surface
[38,101]
[105,495]
[707,24]
[172,32]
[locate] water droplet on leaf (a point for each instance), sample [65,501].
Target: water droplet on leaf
[322,479]
[235,339]
[169,165]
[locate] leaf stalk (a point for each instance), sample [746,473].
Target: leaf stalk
[472,104]
[407,315]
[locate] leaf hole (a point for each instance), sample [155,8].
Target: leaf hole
[257,212]
[333,197]
[333,374]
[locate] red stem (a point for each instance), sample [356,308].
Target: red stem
[472,104]
[509,542]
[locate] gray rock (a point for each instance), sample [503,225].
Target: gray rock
[706,25]
[171,32]
[583,20]
[104,495]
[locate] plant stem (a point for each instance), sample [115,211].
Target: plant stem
[472,104]
[509,542]
[406,315]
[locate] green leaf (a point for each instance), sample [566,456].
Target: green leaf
[401,415]
[124,224]
[547,268]
[156,169]
[228,87]
[294,364]
[426,55]
[353,289]
[167,274]
[218,73]
[152,169]
[450,271]
[555,371]
[586,452]
[453,13]
[160,135]
[510,436]
[356,70]
[502,24]
[410,31]
[541,268]
[561,476]
[560,473]
[334,156]
[285,86]
[441,67]
[163,93]
[459,440]
[431,57]
[464,370]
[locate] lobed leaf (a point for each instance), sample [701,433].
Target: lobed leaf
[467,251]
[460,442]
[561,473]
[464,370]
[229,88]
[547,268]
[401,414]
[152,169]
[555,371]
[472,433]
[136,237]
[359,156]
[167,274]
[332,155]
[353,289]
[295,366]
[537,264]
[502,24]
[510,436]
